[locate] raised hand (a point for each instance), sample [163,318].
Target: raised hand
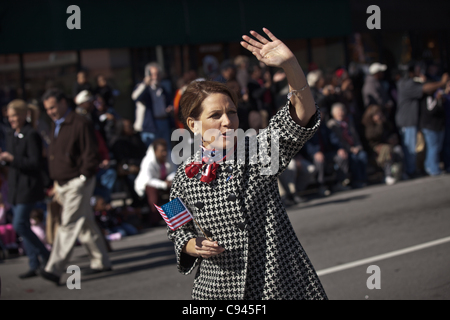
[273,53]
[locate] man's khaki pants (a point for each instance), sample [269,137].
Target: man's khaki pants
[77,221]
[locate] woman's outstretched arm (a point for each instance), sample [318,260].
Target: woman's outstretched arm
[275,53]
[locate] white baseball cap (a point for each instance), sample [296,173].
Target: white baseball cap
[377,67]
[313,76]
[83,96]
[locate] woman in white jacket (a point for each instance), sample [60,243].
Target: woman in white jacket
[155,177]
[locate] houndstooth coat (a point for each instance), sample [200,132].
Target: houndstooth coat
[263,258]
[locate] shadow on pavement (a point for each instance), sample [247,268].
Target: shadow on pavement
[150,252]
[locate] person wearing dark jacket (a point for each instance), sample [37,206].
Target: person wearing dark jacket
[432,124]
[324,150]
[25,182]
[73,161]
[384,143]
[81,84]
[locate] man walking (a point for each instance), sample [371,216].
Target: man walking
[73,160]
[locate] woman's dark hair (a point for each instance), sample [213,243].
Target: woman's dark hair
[196,92]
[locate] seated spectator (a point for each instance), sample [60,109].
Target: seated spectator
[107,117]
[155,177]
[348,98]
[110,220]
[326,153]
[384,143]
[295,178]
[350,142]
[128,150]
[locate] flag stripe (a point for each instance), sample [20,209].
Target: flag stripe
[176,226]
[179,223]
[180,216]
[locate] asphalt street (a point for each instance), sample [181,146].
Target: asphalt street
[350,230]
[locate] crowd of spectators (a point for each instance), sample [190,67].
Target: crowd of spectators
[374,129]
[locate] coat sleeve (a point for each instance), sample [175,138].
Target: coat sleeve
[33,159]
[90,157]
[185,262]
[138,92]
[281,141]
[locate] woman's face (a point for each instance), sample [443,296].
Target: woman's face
[217,122]
[16,119]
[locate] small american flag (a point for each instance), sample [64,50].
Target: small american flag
[174,213]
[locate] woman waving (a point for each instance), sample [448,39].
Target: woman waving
[251,250]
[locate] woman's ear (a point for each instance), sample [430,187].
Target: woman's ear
[191,123]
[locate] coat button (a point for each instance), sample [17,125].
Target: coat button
[231,197]
[199,205]
[241,226]
[229,169]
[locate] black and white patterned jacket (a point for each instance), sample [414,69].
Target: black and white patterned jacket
[263,258]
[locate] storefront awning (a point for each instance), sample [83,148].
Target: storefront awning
[32,26]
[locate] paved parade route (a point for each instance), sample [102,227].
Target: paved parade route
[403,229]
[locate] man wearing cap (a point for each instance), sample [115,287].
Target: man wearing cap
[73,161]
[373,91]
[411,88]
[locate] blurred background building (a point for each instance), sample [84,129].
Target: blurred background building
[117,38]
